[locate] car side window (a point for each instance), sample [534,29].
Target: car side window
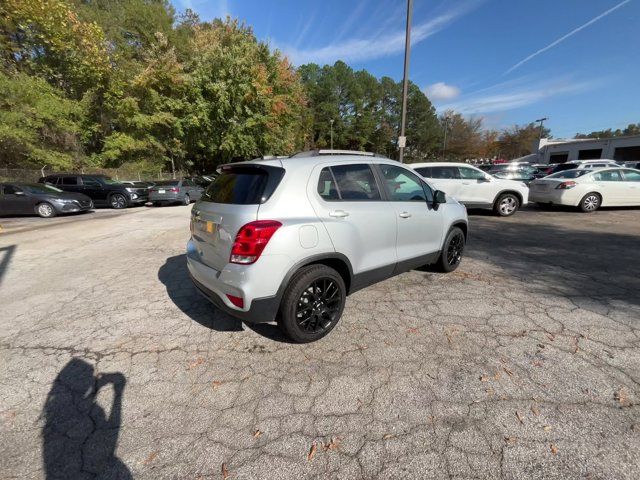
[52,180]
[424,171]
[90,182]
[631,176]
[607,176]
[445,173]
[11,189]
[402,185]
[327,185]
[354,182]
[471,173]
[69,180]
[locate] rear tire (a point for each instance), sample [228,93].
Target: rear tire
[45,210]
[312,303]
[590,202]
[452,251]
[506,205]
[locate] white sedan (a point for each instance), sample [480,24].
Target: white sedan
[588,189]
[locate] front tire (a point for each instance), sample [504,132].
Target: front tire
[45,210]
[590,202]
[452,251]
[506,205]
[312,303]
[118,201]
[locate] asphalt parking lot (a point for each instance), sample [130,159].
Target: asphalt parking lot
[524,363]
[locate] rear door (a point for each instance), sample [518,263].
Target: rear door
[447,179]
[611,186]
[92,188]
[360,223]
[419,225]
[70,184]
[475,188]
[15,201]
[229,203]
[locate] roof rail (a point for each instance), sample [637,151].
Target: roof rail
[316,153]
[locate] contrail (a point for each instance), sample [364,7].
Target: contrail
[563,38]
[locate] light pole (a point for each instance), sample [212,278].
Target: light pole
[402,140]
[331,122]
[541,120]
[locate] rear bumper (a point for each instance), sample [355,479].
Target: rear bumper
[262,310]
[554,196]
[166,198]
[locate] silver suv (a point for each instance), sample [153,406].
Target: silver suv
[288,239]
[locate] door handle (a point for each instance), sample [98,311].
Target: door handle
[405,214]
[339,214]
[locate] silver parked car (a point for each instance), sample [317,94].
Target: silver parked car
[289,239]
[182,191]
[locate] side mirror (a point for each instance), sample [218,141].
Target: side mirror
[438,198]
[18,192]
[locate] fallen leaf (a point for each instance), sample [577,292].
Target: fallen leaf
[150,458]
[196,362]
[519,417]
[334,444]
[215,384]
[387,436]
[497,376]
[484,378]
[312,451]
[224,471]
[537,363]
[431,419]
[622,397]
[257,433]
[413,330]
[535,410]
[546,428]
[551,336]
[554,449]
[510,440]
[507,371]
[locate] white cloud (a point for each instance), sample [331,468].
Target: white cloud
[564,37]
[516,94]
[359,49]
[441,91]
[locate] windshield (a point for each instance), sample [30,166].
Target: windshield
[575,173]
[40,188]
[167,183]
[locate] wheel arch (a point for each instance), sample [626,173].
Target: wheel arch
[511,191]
[335,260]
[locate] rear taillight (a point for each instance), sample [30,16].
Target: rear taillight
[566,185]
[251,240]
[174,190]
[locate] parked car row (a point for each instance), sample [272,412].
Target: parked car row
[72,193]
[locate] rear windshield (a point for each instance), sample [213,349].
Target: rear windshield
[244,185]
[167,183]
[575,173]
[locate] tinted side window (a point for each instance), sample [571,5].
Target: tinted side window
[327,185]
[356,182]
[11,190]
[425,172]
[607,176]
[402,185]
[90,182]
[445,173]
[470,173]
[69,180]
[52,180]
[631,176]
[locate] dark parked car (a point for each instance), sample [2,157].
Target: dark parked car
[175,191]
[202,181]
[39,199]
[101,189]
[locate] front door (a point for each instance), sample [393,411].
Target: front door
[476,187]
[632,186]
[419,224]
[611,186]
[16,201]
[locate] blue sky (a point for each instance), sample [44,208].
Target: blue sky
[576,62]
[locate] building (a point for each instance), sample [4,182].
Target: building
[553,150]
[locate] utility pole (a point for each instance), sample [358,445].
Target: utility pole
[444,142]
[541,120]
[331,122]
[402,140]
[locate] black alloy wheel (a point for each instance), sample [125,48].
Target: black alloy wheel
[452,250]
[318,306]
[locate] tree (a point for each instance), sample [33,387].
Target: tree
[464,136]
[38,126]
[521,140]
[631,129]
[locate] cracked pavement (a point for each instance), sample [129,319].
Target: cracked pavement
[524,363]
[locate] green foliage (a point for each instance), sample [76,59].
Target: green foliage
[631,129]
[38,126]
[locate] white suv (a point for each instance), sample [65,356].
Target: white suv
[288,239]
[475,188]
